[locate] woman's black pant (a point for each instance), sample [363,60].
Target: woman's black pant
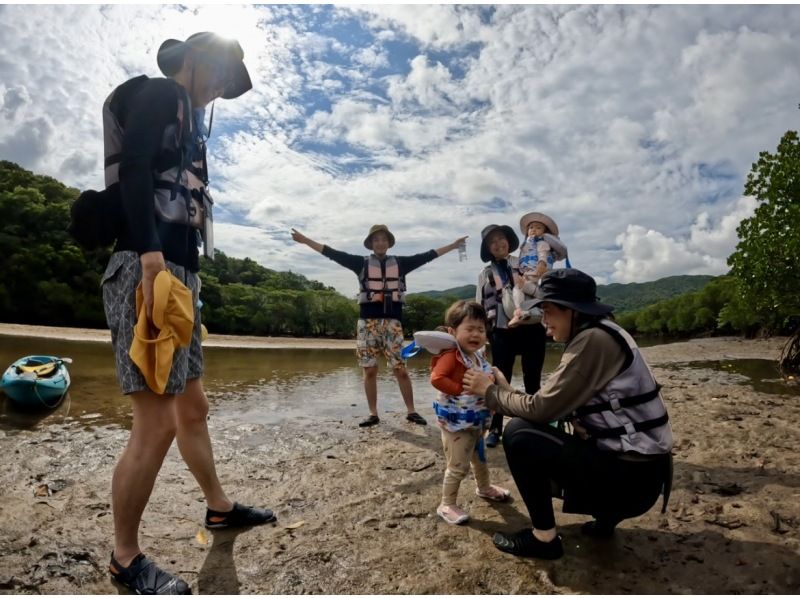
[527,341]
[545,460]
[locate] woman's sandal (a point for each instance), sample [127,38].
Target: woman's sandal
[143,576]
[495,493]
[524,543]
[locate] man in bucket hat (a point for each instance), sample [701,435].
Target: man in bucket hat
[379,330]
[156,128]
[619,459]
[495,292]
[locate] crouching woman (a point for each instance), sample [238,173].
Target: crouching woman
[617,460]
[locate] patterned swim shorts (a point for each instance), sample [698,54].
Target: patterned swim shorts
[379,336]
[122,276]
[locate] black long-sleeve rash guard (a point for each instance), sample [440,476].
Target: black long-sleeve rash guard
[144,114]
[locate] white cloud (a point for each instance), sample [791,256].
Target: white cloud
[649,254]
[633,126]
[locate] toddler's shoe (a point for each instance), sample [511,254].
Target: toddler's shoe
[494,493]
[452,514]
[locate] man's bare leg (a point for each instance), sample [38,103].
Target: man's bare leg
[406,389]
[135,474]
[194,443]
[371,388]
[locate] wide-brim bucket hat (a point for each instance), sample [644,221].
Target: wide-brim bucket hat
[511,236]
[569,288]
[214,47]
[525,221]
[376,228]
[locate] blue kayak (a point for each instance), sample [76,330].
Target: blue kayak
[37,381]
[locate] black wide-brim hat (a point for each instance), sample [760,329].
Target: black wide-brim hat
[511,236]
[569,288]
[227,51]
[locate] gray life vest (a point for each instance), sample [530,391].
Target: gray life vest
[181,192]
[628,414]
[493,294]
[380,280]
[492,291]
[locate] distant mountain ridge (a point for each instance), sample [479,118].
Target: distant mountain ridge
[624,297]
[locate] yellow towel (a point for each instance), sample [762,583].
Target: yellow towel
[154,343]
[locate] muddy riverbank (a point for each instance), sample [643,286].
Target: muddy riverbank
[356,507]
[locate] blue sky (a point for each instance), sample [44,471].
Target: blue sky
[634,127]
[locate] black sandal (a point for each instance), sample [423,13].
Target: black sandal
[416,418]
[524,543]
[239,516]
[370,421]
[143,576]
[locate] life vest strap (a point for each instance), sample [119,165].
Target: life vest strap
[113,159]
[622,430]
[624,402]
[161,184]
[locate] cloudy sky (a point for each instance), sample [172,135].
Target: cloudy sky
[634,127]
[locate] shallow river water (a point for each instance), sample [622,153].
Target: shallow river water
[264,386]
[269,386]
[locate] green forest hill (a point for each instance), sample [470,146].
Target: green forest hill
[48,280]
[624,297]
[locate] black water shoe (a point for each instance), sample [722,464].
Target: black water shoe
[524,543]
[370,421]
[144,577]
[239,516]
[416,418]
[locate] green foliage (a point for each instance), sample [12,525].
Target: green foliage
[696,313]
[47,279]
[463,292]
[624,297]
[425,313]
[765,261]
[636,295]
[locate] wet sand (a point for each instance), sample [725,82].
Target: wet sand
[356,507]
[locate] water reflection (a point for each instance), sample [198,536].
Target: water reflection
[262,386]
[763,375]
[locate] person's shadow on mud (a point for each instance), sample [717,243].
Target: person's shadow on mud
[218,573]
[647,561]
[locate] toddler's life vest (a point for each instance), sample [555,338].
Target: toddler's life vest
[528,256]
[380,279]
[464,411]
[628,414]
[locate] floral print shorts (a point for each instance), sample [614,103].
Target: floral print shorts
[376,337]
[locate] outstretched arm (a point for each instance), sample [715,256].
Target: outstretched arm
[454,245]
[301,238]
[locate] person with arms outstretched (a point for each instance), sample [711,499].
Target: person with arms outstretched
[382,288]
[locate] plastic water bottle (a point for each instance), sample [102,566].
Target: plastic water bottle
[462,252]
